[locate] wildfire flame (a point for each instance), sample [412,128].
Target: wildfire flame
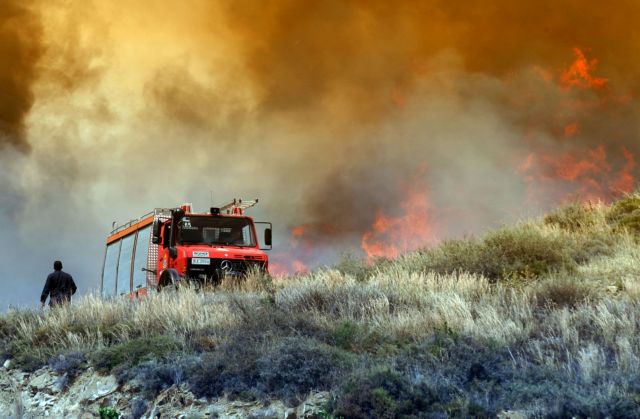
[596,173]
[389,236]
[579,73]
[588,171]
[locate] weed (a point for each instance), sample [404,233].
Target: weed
[625,213]
[138,407]
[156,375]
[230,370]
[522,252]
[575,217]
[345,334]
[26,358]
[108,413]
[563,292]
[353,266]
[131,353]
[67,366]
[293,367]
[382,393]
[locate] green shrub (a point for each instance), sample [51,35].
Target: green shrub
[231,369]
[27,359]
[522,252]
[287,368]
[133,352]
[525,253]
[586,246]
[293,366]
[68,366]
[108,413]
[574,217]
[625,213]
[563,292]
[153,376]
[353,266]
[345,334]
[382,393]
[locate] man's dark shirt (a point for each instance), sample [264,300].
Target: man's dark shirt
[60,287]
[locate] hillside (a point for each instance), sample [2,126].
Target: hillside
[537,319]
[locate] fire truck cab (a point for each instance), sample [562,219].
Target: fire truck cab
[171,245]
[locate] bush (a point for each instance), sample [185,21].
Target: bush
[353,266]
[586,246]
[345,334]
[574,217]
[625,213]
[382,393]
[108,413]
[26,357]
[70,363]
[563,292]
[230,370]
[138,407]
[525,253]
[522,252]
[288,369]
[156,375]
[131,353]
[68,366]
[295,366]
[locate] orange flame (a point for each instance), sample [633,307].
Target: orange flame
[389,236]
[625,180]
[589,174]
[579,73]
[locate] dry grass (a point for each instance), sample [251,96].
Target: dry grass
[548,306]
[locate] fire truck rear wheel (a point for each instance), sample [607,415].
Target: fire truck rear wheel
[169,280]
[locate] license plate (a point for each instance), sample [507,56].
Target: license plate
[200,261]
[200,254]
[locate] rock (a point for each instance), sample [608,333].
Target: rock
[290,414]
[7,364]
[42,382]
[311,407]
[512,414]
[96,387]
[268,413]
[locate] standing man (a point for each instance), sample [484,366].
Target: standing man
[59,287]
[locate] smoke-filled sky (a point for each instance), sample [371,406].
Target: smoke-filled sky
[369,127]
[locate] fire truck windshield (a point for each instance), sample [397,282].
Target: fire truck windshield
[230,231]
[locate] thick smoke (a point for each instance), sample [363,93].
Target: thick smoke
[20,49]
[333,113]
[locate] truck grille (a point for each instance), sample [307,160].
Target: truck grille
[218,268]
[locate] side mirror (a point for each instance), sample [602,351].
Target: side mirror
[177,214]
[266,227]
[155,237]
[267,237]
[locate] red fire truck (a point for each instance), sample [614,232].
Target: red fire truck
[171,245]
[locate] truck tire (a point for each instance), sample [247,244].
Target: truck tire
[169,280]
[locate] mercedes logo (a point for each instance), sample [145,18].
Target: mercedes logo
[226,266]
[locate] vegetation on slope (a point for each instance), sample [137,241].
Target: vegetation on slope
[542,317]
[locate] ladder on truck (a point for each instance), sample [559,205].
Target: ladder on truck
[237,206]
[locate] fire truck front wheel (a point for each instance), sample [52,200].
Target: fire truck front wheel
[169,280]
